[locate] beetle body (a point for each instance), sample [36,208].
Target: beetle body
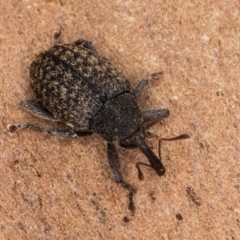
[72,81]
[76,86]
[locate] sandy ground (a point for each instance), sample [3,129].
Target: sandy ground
[52,188]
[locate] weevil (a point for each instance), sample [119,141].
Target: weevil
[78,87]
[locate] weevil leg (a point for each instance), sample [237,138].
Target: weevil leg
[137,92]
[56,36]
[37,110]
[114,164]
[85,44]
[58,132]
[153,116]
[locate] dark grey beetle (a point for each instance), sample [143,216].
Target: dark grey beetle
[76,86]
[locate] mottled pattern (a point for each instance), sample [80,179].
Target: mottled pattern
[72,82]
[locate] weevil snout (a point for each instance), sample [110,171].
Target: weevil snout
[159,168]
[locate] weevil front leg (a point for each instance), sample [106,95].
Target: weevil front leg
[153,116]
[114,164]
[137,92]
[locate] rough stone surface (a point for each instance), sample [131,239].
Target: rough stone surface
[63,189]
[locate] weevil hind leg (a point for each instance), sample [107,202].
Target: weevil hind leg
[153,116]
[57,36]
[81,42]
[37,110]
[114,164]
[137,92]
[57,132]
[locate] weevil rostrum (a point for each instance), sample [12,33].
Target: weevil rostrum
[74,85]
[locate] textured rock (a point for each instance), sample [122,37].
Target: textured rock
[63,189]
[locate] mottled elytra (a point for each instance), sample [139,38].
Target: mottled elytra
[76,86]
